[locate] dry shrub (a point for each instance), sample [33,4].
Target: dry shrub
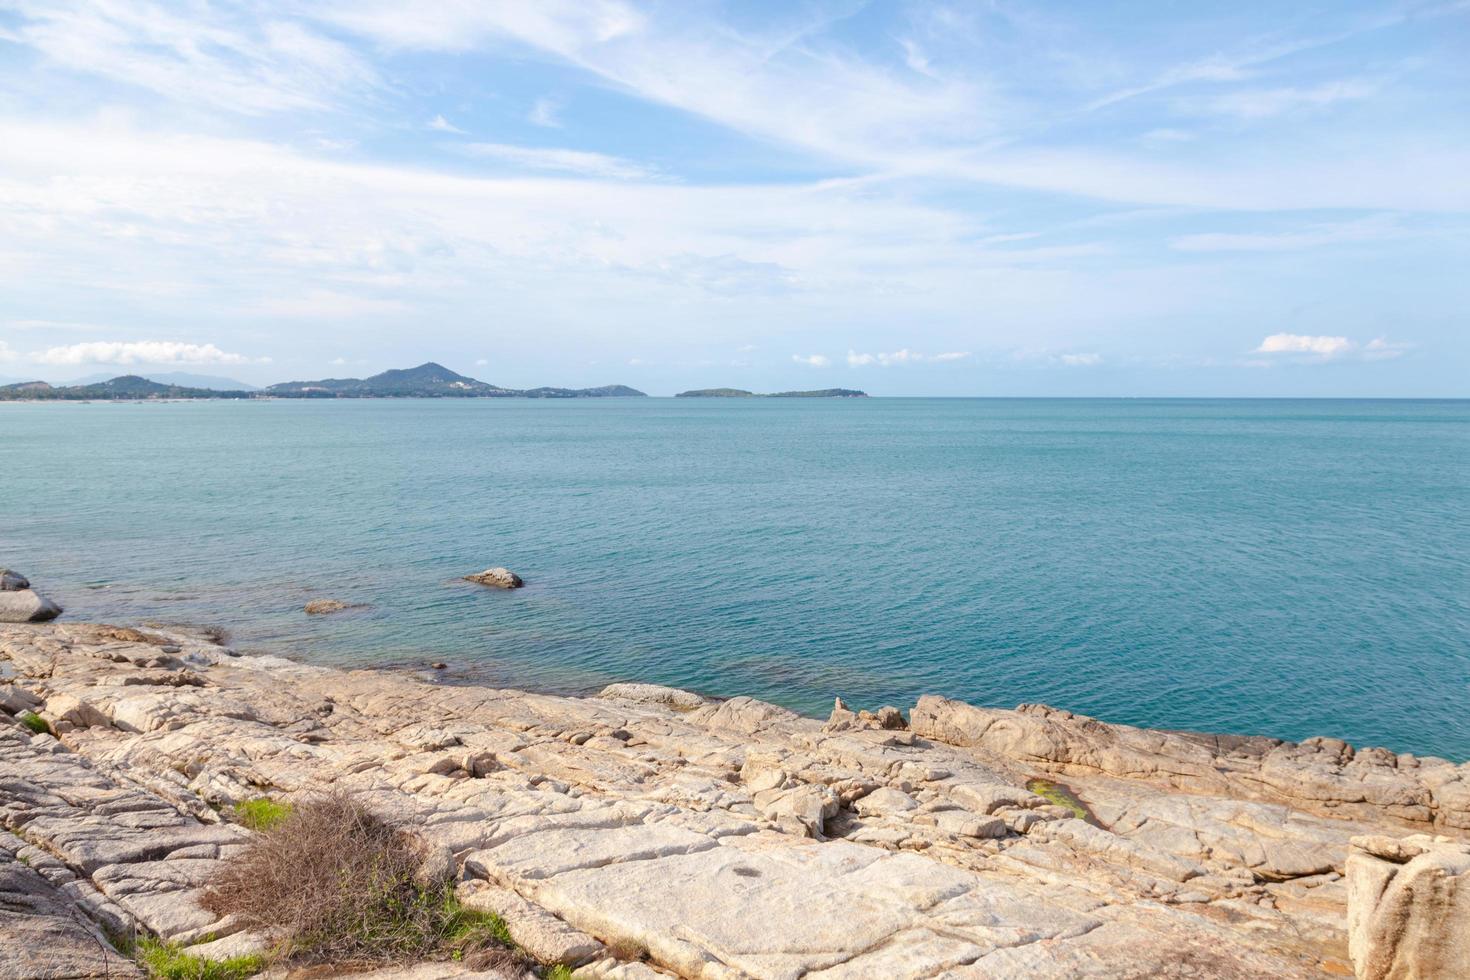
[337,884]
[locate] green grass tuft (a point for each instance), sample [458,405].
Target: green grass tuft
[465,928]
[164,961]
[261,813]
[559,972]
[35,722]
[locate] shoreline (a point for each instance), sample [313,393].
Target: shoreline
[632,819]
[467,673]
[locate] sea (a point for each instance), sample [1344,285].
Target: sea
[1284,568]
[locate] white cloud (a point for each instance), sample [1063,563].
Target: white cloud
[211,54]
[1382,349]
[1264,103]
[442,125]
[1296,343]
[1081,360]
[812,360]
[481,362]
[6,354]
[545,112]
[1343,232]
[337,361]
[899,357]
[578,162]
[140,352]
[327,303]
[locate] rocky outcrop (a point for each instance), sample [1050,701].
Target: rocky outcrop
[652,832]
[1409,908]
[19,603]
[496,578]
[1320,775]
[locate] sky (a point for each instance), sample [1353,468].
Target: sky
[980,198]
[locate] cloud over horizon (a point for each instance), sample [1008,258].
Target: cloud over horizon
[128,353]
[913,184]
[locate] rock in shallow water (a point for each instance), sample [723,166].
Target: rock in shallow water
[25,606]
[496,578]
[320,607]
[12,581]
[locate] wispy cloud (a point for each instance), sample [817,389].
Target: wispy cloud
[579,162]
[546,113]
[140,352]
[1264,103]
[1310,348]
[327,303]
[812,360]
[1081,360]
[442,125]
[1383,349]
[901,357]
[1373,228]
[215,55]
[6,354]
[1296,343]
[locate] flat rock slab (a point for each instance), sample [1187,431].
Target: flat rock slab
[44,936]
[769,907]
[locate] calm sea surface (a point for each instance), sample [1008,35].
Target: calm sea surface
[1290,568]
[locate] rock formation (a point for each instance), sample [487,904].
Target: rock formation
[1409,907]
[20,604]
[650,832]
[496,578]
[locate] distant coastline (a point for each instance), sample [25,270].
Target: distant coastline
[428,380]
[741,393]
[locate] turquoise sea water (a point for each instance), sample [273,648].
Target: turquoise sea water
[1289,568]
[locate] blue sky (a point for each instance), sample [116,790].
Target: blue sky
[909,198]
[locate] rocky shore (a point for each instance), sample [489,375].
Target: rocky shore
[649,831]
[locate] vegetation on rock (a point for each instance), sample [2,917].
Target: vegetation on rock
[334,883]
[165,961]
[261,813]
[34,722]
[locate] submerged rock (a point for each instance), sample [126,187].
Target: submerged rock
[496,578]
[26,606]
[321,607]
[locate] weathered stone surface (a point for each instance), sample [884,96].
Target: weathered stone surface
[653,830]
[12,581]
[44,935]
[535,930]
[496,578]
[654,694]
[1318,775]
[1409,908]
[25,606]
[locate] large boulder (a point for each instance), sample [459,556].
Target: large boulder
[25,606]
[1409,908]
[496,578]
[11,581]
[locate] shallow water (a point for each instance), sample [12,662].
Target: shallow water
[1290,568]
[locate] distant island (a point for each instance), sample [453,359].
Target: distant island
[741,393]
[425,381]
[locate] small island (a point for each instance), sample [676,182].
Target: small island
[428,380]
[741,393]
